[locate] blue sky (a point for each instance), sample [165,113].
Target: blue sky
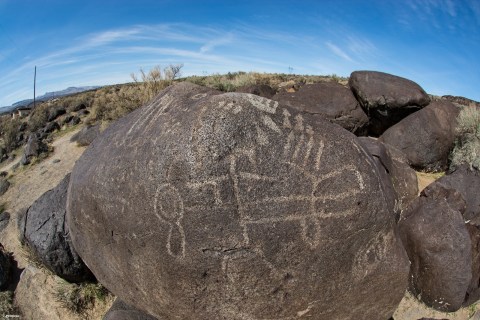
[435,43]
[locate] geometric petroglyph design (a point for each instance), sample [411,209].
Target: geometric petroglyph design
[302,155]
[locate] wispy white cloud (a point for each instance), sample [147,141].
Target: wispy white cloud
[337,51]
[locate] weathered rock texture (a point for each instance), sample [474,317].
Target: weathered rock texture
[327,100]
[393,166]
[86,136]
[261,90]
[34,148]
[386,98]
[439,247]
[427,136]
[4,185]
[201,206]
[122,311]
[44,230]
[467,183]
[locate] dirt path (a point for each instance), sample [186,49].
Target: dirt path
[27,184]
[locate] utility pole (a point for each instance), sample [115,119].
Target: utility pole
[34,85]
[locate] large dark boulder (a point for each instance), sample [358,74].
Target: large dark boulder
[206,206]
[327,100]
[467,182]
[386,98]
[55,113]
[5,267]
[34,148]
[397,173]
[51,127]
[122,311]
[86,136]
[261,90]
[439,247]
[4,185]
[78,107]
[427,136]
[44,230]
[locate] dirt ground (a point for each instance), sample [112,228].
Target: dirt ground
[38,286]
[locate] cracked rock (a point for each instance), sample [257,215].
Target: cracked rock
[43,229]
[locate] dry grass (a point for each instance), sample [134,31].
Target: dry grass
[80,297]
[467,144]
[232,81]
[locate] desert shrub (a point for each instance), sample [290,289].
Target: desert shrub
[467,144]
[231,81]
[10,129]
[7,306]
[38,118]
[111,103]
[80,297]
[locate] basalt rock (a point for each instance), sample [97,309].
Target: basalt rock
[386,98]
[86,136]
[439,247]
[327,100]
[397,173]
[261,90]
[34,148]
[202,205]
[426,137]
[44,230]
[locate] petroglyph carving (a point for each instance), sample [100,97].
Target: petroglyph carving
[168,207]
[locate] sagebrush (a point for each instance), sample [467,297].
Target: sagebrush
[467,144]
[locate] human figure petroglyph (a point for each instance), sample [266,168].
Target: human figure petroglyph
[169,208]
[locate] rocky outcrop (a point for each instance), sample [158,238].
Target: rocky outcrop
[207,206]
[33,149]
[86,136]
[55,113]
[4,220]
[439,247]
[427,136]
[397,175]
[44,231]
[261,90]
[327,100]
[51,127]
[386,98]
[4,185]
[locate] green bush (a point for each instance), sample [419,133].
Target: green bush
[38,118]
[467,144]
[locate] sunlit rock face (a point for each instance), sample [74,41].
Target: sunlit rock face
[203,205]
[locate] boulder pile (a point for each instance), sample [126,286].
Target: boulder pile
[257,204]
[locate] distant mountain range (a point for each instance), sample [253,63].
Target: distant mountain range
[47,96]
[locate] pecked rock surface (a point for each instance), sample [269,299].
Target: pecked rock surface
[229,206]
[386,98]
[327,100]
